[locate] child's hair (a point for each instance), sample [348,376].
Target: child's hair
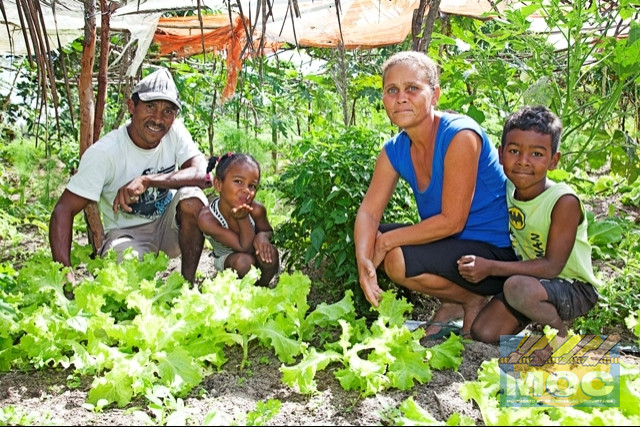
[223,162]
[539,119]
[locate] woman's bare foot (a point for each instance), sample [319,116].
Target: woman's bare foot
[447,312]
[471,309]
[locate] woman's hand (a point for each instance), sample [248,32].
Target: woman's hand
[369,281]
[379,253]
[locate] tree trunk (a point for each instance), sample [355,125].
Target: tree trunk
[421,26]
[274,138]
[102,69]
[340,79]
[95,230]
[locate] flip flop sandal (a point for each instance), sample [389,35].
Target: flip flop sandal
[446,329]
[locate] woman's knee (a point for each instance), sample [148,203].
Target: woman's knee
[394,265]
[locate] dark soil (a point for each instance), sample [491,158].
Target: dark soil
[227,396]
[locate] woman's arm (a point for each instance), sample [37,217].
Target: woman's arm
[381,188]
[459,183]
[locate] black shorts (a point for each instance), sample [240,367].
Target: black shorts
[571,298]
[441,258]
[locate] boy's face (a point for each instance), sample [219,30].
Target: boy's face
[526,157]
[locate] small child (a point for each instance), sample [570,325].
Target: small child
[554,281]
[235,224]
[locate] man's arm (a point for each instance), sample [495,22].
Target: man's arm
[191,173]
[61,225]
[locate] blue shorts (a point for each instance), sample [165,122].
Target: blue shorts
[441,258]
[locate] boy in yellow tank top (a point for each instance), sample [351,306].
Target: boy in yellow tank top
[554,281]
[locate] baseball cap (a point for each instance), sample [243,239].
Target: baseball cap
[158,85]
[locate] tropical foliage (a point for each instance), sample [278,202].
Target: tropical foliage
[316,134]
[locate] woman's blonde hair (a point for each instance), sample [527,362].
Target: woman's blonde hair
[427,64]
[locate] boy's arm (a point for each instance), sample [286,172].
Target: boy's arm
[565,218]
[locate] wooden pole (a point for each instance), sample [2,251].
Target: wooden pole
[95,230]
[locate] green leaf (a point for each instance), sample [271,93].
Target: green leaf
[328,314]
[302,375]
[414,414]
[317,238]
[409,365]
[178,370]
[448,354]
[273,332]
[79,322]
[392,309]
[363,375]
[602,233]
[118,391]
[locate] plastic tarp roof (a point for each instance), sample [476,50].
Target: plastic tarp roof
[359,23]
[362,23]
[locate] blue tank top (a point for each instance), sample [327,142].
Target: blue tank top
[488,219]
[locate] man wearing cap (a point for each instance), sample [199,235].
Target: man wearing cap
[146,177]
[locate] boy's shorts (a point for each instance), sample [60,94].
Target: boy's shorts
[158,235]
[571,298]
[441,259]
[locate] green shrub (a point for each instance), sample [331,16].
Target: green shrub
[325,187]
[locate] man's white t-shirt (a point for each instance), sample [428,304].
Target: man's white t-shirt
[114,160]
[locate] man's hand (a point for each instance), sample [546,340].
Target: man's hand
[129,194]
[69,284]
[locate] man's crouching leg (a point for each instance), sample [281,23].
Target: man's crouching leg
[189,201]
